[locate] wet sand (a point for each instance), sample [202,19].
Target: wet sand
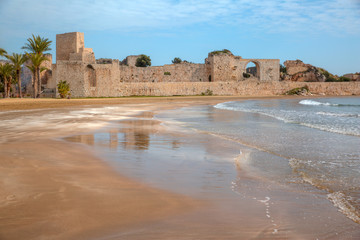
[240,204]
[52,189]
[56,189]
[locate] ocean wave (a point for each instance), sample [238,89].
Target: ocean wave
[316,103]
[338,114]
[305,118]
[333,129]
[341,200]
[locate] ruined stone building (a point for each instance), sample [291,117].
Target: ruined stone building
[77,65]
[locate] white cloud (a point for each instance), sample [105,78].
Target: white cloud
[266,15]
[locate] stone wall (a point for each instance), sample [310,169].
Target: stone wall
[227,67]
[131,60]
[76,64]
[182,72]
[244,88]
[74,74]
[102,79]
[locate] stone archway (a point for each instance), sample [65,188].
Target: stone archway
[252,69]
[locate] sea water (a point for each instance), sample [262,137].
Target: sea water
[318,141]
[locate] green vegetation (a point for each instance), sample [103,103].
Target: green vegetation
[143,61]
[7,72]
[176,60]
[283,69]
[298,91]
[2,52]
[218,52]
[344,79]
[167,73]
[330,77]
[246,75]
[37,59]
[64,89]
[17,60]
[340,79]
[37,47]
[208,92]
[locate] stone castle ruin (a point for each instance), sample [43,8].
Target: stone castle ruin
[113,78]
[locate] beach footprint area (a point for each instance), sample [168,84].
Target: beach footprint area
[137,171]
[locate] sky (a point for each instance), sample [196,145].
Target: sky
[324,33]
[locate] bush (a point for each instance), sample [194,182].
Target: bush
[167,73]
[176,60]
[298,91]
[246,75]
[344,79]
[340,79]
[208,92]
[225,51]
[331,79]
[283,68]
[63,88]
[143,61]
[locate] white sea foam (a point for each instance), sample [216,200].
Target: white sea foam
[338,114]
[341,201]
[316,103]
[342,122]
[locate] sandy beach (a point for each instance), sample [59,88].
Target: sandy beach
[52,189]
[59,182]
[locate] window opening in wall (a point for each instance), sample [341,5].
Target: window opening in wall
[252,70]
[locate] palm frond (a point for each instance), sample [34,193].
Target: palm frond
[2,52]
[17,60]
[37,44]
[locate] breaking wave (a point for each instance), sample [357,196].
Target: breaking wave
[343,120]
[316,103]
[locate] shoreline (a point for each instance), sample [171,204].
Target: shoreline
[14,104]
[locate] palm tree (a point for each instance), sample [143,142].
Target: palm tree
[38,46]
[17,60]
[2,52]
[36,59]
[6,71]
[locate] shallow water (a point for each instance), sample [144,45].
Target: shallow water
[265,177]
[318,141]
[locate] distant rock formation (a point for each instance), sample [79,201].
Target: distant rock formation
[297,71]
[353,76]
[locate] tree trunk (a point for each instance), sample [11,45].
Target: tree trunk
[39,81]
[8,88]
[34,84]
[5,87]
[19,82]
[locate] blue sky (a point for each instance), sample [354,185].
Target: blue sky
[325,33]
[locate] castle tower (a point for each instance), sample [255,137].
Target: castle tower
[71,47]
